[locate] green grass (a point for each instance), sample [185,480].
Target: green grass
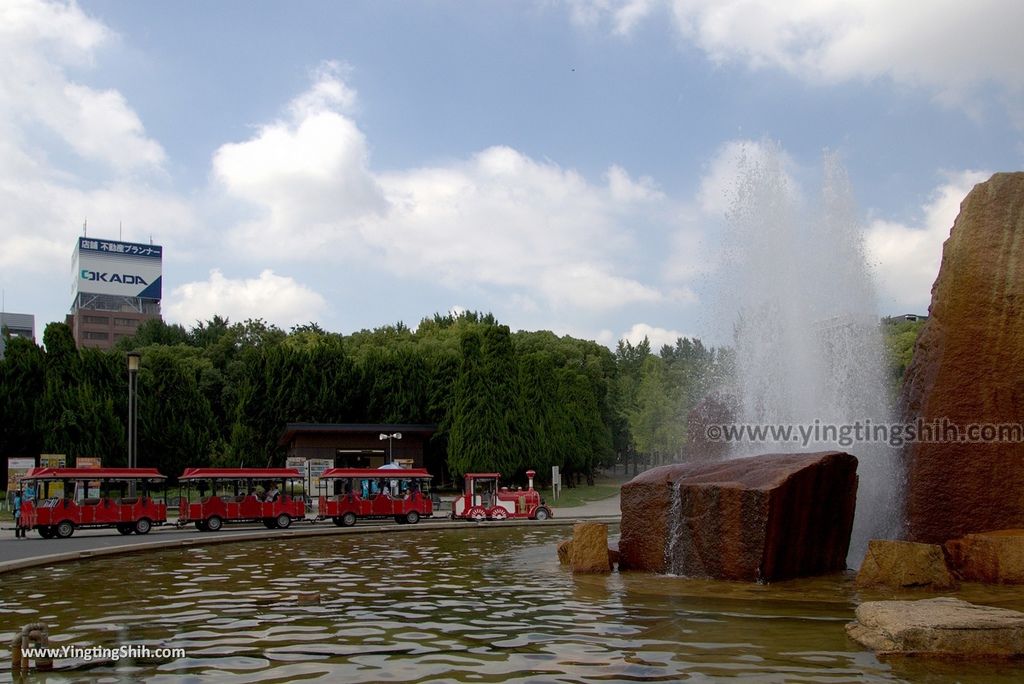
[604,488]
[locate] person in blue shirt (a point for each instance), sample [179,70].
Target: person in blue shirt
[19,531]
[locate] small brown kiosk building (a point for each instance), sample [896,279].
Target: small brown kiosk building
[358,445]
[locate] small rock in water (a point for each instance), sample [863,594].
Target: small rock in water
[309,598]
[904,565]
[938,627]
[589,550]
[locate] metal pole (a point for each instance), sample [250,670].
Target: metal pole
[135,419]
[131,413]
[133,410]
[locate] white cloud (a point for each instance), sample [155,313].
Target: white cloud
[306,178]
[45,115]
[276,299]
[503,219]
[954,49]
[951,48]
[622,15]
[38,42]
[496,220]
[907,257]
[658,337]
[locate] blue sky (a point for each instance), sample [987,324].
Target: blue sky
[564,165]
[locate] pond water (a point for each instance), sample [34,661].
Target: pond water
[479,605]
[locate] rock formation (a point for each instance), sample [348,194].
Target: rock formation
[589,550]
[968,368]
[990,557]
[904,565]
[940,627]
[762,518]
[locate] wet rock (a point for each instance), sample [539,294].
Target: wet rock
[589,550]
[939,626]
[762,518]
[565,553]
[308,598]
[904,565]
[564,550]
[990,557]
[968,368]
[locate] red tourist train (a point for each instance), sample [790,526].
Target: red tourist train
[233,495]
[274,507]
[123,500]
[402,494]
[481,499]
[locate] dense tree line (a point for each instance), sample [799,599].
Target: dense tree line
[221,393]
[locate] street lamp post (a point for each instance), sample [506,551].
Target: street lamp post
[389,437]
[133,412]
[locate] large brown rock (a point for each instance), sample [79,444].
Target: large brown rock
[990,557]
[939,626]
[904,565]
[762,518]
[968,368]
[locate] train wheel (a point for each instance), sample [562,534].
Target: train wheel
[201,526]
[124,529]
[143,526]
[46,532]
[412,517]
[349,519]
[65,528]
[498,513]
[268,523]
[477,513]
[284,521]
[542,513]
[338,521]
[213,524]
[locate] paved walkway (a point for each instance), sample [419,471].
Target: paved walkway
[34,550]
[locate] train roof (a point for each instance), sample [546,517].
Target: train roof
[94,474]
[389,473]
[239,474]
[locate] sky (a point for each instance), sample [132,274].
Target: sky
[565,165]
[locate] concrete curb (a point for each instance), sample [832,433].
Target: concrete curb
[211,538]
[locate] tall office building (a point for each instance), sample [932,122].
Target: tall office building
[17,325]
[116,286]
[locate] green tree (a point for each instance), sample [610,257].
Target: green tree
[22,381]
[177,427]
[481,437]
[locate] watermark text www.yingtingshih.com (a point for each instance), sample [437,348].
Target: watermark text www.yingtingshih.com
[941,431]
[103,653]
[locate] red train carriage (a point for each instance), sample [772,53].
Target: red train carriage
[241,495]
[481,499]
[402,494]
[119,504]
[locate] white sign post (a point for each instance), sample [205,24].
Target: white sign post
[556,483]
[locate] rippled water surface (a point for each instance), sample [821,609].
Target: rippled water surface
[476,605]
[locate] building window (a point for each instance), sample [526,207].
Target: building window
[125,322]
[97,320]
[92,335]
